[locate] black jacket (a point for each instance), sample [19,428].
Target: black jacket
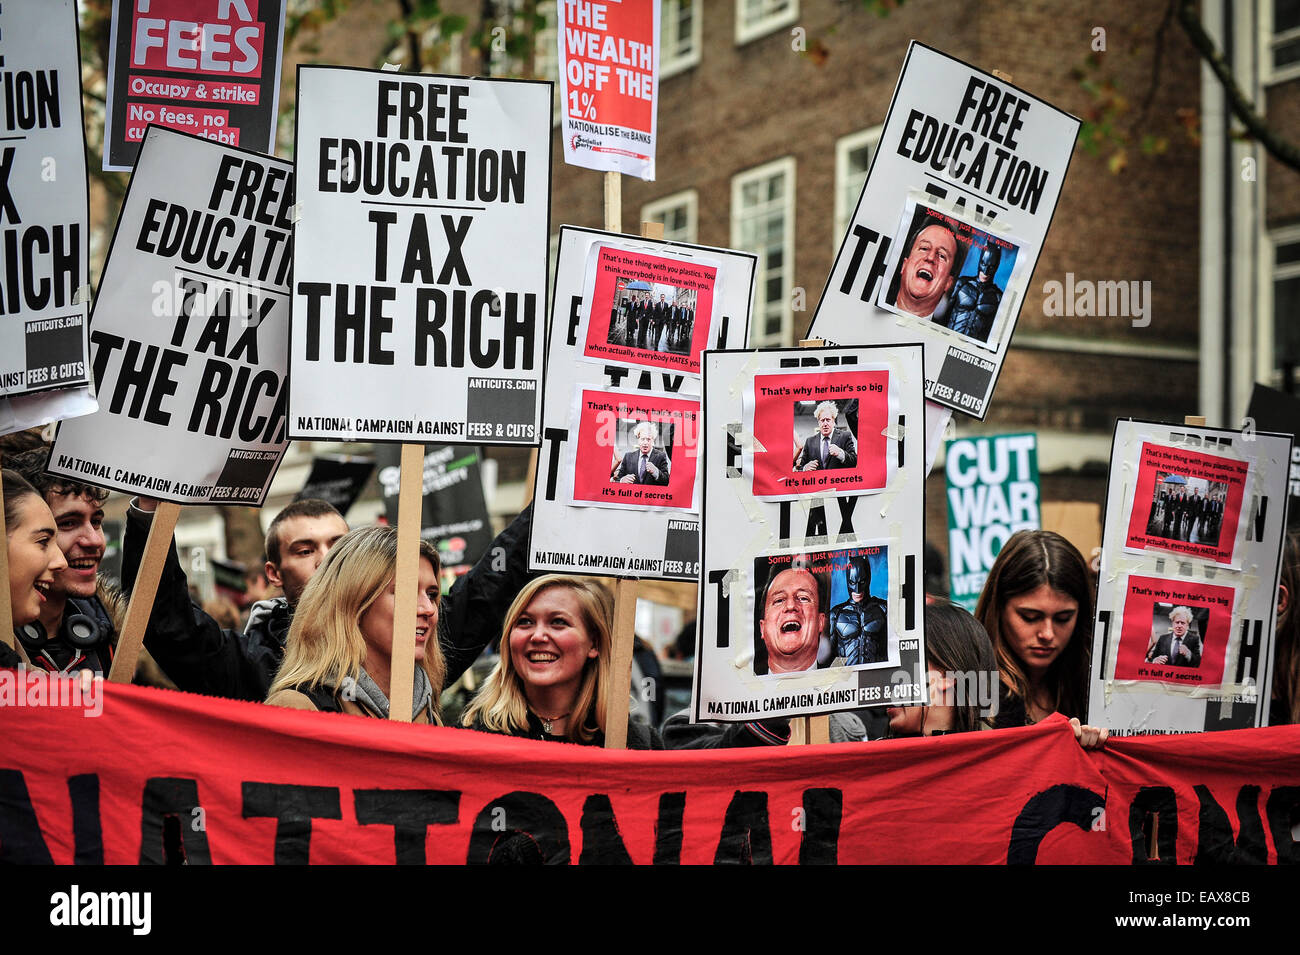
[199,656]
[639,735]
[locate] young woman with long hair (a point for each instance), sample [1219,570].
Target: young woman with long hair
[552,681]
[337,655]
[34,555]
[1037,608]
[963,676]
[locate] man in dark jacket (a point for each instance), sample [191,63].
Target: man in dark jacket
[200,656]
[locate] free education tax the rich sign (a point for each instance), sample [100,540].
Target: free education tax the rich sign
[950,224]
[44,234]
[420,257]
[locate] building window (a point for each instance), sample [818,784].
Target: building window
[762,222]
[679,36]
[756,18]
[1286,308]
[853,154]
[1283,60]
[677,212]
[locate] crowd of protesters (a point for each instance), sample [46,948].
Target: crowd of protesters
[326,643]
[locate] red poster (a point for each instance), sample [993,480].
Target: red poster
[635,450]
[649,311]
[820,433]
[207,67]
[1174,631]
[283,786]
[199,37]
[610,63]
[1188,502]
[609,84]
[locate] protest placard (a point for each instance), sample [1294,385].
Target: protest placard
[453,512]
[609,84]
[1190,557]
[426,323]
[950,224]
[338,479]
[992,494]
[190,329]
[208,67]
[811,604]
[1273,410]
[596,508]
[44,205]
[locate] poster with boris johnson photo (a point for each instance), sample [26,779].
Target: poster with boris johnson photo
[951,221]
[1191,553]
[420,257]
[811,603]
[191,329]
[637,450]
[618,473]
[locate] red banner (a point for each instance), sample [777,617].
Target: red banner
[160,774]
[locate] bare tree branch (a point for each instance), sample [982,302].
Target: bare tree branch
[1280,149]
[412,37]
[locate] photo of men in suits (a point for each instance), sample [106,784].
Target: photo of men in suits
[1186,509]
[1180,644]
[654,317]
[827,447]
[645,464]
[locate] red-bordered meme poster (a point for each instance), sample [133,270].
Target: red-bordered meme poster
[1187,501]
[947,271]
[822,609]
[1174,631]
[820,433]
[635,450]
[646,310]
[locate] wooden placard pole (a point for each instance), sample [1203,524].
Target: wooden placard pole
[140,607]
[6,610]
[410,499]
[810,729]
[625,589]
[614,202]
[624,639]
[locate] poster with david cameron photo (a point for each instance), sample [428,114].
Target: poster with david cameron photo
[811,597]
[951,221]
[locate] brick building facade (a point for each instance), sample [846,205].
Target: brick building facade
[767,114]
